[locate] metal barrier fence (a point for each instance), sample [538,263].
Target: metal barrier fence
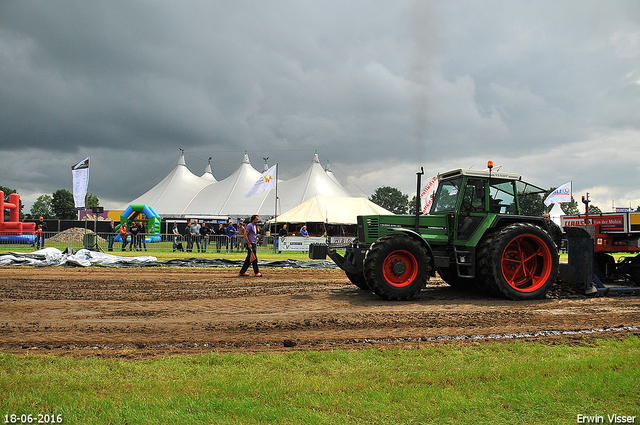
[75,239]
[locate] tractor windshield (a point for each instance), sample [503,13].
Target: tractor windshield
[528,189]
[447,195]
[529,196]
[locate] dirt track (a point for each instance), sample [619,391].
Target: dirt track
[148,311]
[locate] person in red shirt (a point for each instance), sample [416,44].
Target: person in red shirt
[123,234]
[39,238]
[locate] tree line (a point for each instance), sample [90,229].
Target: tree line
[59,205]
[392,199]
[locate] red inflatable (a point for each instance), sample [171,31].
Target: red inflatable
[13,226]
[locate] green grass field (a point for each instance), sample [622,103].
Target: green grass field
[487,383]
[512,383]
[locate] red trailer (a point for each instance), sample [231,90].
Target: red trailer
[593,238]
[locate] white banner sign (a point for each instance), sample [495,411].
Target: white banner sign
[80,173]
[298,243]
[341,240]
[426,194]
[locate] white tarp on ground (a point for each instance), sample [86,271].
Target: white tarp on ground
[332,210]
[84,258]
[54,257]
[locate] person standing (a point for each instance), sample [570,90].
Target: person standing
[134,230]
[39,237]
[111,236]
[283,233]
[231,233]
[204,236]
[187,234]
[251,238]
[554,229]
[142,237]
[221,232]
[303,232]
[176,235]
[123,235]
[42,223]
[195,235]
[240,239]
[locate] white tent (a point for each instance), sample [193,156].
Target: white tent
[226,197]
[329,172]
[313,181]
[175,190]
[208,174]
[331,210]
[555,214]
[183,194]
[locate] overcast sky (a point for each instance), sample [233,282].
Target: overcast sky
[546,89]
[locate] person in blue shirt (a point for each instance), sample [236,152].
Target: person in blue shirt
[303,232]
[176,235]
[231,232]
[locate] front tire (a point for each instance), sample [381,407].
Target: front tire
[519,262]
[397,267]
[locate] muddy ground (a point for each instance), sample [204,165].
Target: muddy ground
[152,311]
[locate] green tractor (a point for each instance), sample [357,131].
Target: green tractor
[474,236]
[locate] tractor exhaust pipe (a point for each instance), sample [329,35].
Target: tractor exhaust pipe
[418,190]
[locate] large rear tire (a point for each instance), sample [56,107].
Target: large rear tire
[519,261]
[397,267]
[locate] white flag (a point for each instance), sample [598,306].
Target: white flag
[265,182]
[426,194]
[80,173]
[561,194]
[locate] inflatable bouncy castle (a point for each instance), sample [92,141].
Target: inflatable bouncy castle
[14,231]
[133,212]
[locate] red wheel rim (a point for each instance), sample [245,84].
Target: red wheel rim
[400,268]
[526,263]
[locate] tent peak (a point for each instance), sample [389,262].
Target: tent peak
[245,160]
[181,160]
[208,170]
[315,157]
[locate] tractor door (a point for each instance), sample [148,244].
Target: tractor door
[473,208]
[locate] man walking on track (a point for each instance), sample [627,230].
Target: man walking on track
[251,237]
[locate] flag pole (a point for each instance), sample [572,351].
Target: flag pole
[275,210]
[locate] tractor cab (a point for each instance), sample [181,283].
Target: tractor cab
[475,198]
[481,191]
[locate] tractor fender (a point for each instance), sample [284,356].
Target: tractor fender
[415,235]
[505,220]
